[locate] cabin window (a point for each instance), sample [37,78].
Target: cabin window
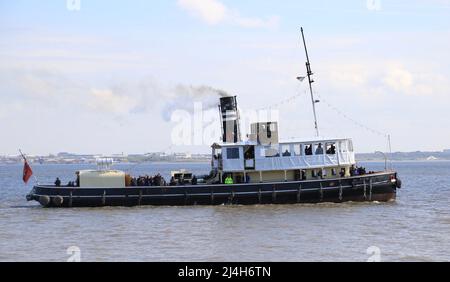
[233,153]
[333,171]
[318,149]
[286,150]
[217,154]
[324,172]
[331,149]
[271,151]
[350,145]
[297,149]
[313,173]
[269,131]
[343,146]
[308,149]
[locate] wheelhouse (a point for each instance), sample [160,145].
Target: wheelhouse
[263,159]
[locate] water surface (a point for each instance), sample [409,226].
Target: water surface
[416,227]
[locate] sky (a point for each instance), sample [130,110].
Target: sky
[105,76]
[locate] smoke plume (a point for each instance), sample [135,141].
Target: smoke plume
[183,97]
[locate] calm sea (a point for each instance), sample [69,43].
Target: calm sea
[414,228]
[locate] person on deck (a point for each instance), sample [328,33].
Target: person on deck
[319,149]
[57,182]
[361,171]
[308,150]
[229,180]
[194,180]
[353,170]
[331,150]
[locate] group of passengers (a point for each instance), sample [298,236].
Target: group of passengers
[147,180]
[309,150]
[358,170]
[319,150]
[69,184]
[180,181]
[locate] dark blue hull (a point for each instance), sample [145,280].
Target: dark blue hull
[370,187]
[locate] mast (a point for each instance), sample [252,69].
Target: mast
[310,80]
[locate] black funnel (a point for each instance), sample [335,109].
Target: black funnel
[230,119]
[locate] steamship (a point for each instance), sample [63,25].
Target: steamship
[258,170]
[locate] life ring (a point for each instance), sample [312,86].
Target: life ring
[44,200]
[57,201]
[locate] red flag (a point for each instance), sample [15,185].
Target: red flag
[27,172]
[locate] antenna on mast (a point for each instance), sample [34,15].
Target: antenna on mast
[310,80]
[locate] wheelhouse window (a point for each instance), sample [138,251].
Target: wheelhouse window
[350,145]
[286,150]
[271,151]
[233,153]
[297,149]
[343,146]
[318,149]
[308,149]
[331,148]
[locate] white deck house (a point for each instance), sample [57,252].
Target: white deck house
[262,158]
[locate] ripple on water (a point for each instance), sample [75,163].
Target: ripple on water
[413,228]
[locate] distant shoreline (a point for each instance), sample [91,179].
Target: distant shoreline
[161,157]
[207,162]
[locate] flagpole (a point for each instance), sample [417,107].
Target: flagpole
[23,156]
[310,80]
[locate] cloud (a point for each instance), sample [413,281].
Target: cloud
[348,74]
[214,12]
[271,22]
[105,100]
[117,100]
[398,78]
[210,11]
[387,77]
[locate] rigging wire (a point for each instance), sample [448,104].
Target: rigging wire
[341,113]
[280,103]
[329,105]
